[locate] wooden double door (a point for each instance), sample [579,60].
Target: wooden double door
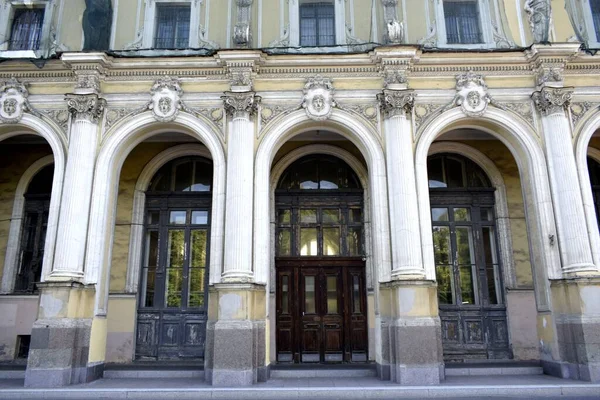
[321,311]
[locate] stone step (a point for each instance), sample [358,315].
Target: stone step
[323,371]
[494,369]
[12,370]
[155,370]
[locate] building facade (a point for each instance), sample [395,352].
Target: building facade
[244,183]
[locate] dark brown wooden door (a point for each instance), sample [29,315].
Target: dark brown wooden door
[321,312]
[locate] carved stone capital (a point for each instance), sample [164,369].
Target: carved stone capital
[85,106]
[551,100]
[396,102]
[241,104]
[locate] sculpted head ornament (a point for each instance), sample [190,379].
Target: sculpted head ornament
[166,99]
[13,101]
[318,98]
[471,94]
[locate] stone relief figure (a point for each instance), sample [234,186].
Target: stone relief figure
[395,32]
[97,21]
[539,19]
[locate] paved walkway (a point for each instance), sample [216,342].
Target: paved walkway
[309,388]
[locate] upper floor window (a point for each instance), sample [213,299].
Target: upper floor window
[317,24]
[26,30]
[595,6]
[462,22]
[172,26]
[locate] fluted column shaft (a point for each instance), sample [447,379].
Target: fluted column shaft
[237,266]
[77,189]
[573,238]
[407,259]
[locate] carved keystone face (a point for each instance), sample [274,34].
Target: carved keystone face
[12,105]
[165,104]
[318,103]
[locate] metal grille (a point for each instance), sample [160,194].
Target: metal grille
[462,22]
[595,4]
[317,24]
[172,27]
[26,29]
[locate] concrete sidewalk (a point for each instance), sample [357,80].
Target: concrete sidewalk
[308,388]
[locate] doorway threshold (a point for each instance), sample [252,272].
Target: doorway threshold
[318,370]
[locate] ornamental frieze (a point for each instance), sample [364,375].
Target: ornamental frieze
[551,100]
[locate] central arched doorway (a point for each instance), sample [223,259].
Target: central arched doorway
[321,310]
[468,271]
[172,309]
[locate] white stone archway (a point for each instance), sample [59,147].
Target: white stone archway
[582,150]
[134,260]
[16,223]
[32,125]
[366,140]
[526,149]
[501,203]
[118,144]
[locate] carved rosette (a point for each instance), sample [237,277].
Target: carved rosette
[471,94]
[396,102]
[166,99]
[551,100]
[87,107]
[241,104]
[13,101]
[318,98]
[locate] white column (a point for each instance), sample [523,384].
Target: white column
[407,260]
[237,265]
[573,238]
[74,214]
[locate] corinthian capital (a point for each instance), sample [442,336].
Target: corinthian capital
[396,102]
[240,105]
[85,106]
[551,100]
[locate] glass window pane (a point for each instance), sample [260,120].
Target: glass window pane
[441,244]
[198,250]
[173,284]
[355,215]
[454,172]
[183,177]
[177,217]
[487,214]
[354,241]
[151,262]
[356,308]
[308,216]
[308,242]
[462,214]
[328,174]
[444,277]
[309,295]
[331,241]
[307,175]
[439,214]
[435,171]
[489,245]
[332,295]
[153,217]
[467,289]
[176,249]
[174,275]
[285,305]
[199,217]
[196,287]
[202,177]
[331,216]
[284,243]
[284,217]
[464,245]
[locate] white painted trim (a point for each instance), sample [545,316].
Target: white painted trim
[366,140]
[527,151]
[57,143]
[113,31]
[340,21]
[485,24]
[150,21]
[121,139]
[11,259]
[501,203]
[6,19]
[520,18]
[136,237]
[355,165]
[582,150]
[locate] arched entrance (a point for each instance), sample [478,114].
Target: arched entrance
[172,309]
[468,269]
[33,233]
[594,171]
[321,313]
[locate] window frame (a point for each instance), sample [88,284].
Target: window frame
[485,26]
[593,39]
[150,21]
[339,21]
[6,22]
[178,7]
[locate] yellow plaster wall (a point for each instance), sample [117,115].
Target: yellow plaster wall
[14,161]
[505,162]
[416,20]
[71,30]
[562,24]
[125,30]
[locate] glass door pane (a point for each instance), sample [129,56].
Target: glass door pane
[174,270]
[465,261]
[197,268]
